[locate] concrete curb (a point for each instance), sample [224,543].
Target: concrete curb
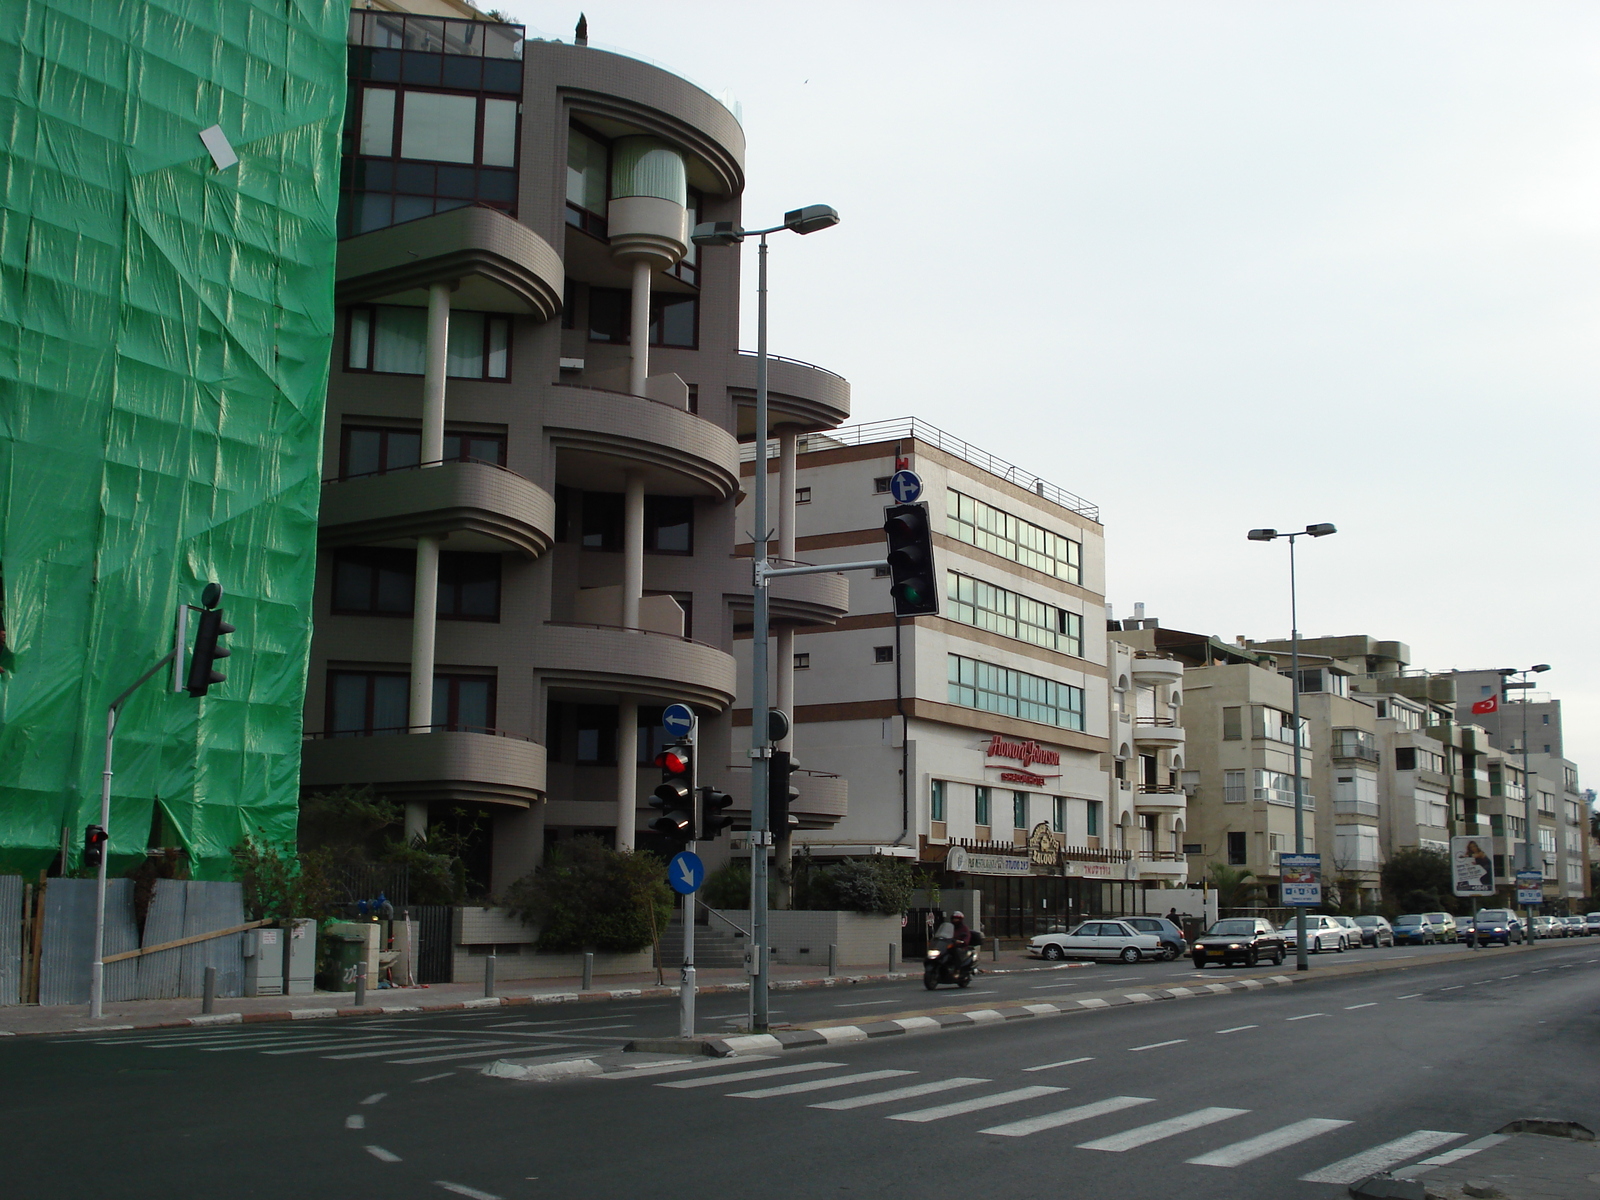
[595,996]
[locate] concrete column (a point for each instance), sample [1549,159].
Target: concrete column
[425,604]
[639,332]
[627,770]
[632,548]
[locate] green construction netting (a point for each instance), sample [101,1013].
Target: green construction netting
[164,340]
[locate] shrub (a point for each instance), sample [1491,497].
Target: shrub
[867,885]
[727,887]
[588,896]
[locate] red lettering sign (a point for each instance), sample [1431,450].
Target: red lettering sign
[1027,753]
[1022,777]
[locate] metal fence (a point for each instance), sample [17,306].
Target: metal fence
[10,938]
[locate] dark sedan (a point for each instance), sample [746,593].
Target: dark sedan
[1375,931]
[1245,940]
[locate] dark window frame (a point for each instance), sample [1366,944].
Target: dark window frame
[453,681]
[622,333]
[610,509]
[452,564]
[490,319]
[596,225]
[367,729]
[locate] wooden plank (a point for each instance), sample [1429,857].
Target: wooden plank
[188,941]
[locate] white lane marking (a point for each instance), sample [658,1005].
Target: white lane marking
[431,1078]
[817,1085]
[1480,982]
[382,1155]
[1370,1162]
[1541,970]
[1518,975]
[497,1050]
[994,1100]
[763,1073]
[569,1031]
[1068,1062]
[1156,1045]
[418,1045]
[1305,1016]
[671,1068]
[461,1189]
[1122,979]
[355,1121]
[567,1021]
[1067,1116]
[394,1043]
[375,1097]
[1238,1028]
[870,1003]
[1254,1148]
[1412,996]
[1368,1004]
[1143,1135]
[904,1093]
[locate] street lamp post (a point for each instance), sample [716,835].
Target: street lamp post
[1301,961]
[1531,860]
[809,219]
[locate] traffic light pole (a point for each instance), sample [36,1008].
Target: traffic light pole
[686,975]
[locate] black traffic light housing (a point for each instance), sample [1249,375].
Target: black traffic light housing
[913,582]
[713,818]
[94,845]
[209,631]
[674,795]
[781,794]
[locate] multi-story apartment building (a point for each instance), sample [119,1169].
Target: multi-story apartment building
[532,443]
[980,740]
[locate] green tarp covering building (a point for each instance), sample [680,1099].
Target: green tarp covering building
[165,323]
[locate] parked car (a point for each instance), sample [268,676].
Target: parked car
[1353,935]
[1444,926]
[1173,943]
[1375,931]
[1591,922]
[1097,939]
[1245,940]
[1548,927]
[1497,925]
[1575,926]
[1414,929]
[1322,933]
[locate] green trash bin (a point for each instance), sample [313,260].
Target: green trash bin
[346,951]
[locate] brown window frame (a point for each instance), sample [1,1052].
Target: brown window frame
[451,581]
[384,430]
[489,320]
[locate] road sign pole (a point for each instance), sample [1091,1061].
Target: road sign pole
[686,974]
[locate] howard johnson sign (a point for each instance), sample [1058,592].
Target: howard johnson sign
[1026,754]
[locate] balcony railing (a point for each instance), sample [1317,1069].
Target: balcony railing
[1160,722]
[1162,856]
[1282,796]
[1360,808]
[1160,789]
[417,466]
[1355,750]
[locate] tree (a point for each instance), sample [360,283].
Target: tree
[871,885]
[1418,880]
[1236,886]
[588,896]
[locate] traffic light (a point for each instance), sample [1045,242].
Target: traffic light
[781,794]
[913,583]
[207,646]
[674,795]
[712,818]
[94,845]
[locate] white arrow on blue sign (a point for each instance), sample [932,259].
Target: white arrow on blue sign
[678,720]
[686,873]
[905,487]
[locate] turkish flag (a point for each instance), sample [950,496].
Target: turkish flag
[1492,704]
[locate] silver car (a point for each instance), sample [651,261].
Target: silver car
[1097,939]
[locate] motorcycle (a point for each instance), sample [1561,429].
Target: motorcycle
[948,963]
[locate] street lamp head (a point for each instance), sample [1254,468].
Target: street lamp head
[1262,535]
[1539,668]
[717,233]
[811,218]
[1322,530]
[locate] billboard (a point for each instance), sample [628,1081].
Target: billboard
[1471,868]
[1530,887]
[1300,880]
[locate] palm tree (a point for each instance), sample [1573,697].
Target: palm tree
[1236,886]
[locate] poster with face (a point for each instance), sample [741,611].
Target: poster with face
[1471,868]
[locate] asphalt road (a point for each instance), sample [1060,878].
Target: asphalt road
[1238,1095]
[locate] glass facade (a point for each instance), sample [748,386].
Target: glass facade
[981,685]
[974,602]
[989,528]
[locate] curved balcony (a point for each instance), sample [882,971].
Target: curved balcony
[481,506]
[807,397]
[497,264]
[1157,731]
[1160,799]
[437,765]
[797,600]
[600,436]
[636,662]
[824,798]
[1157,670]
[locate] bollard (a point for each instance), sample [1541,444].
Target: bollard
[588,971]
[488,976]
[833,960]
[994,949]
[361,985]
[209,1001]
[894,957]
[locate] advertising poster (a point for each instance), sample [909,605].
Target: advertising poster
[1530,887]
[1471,868]
[1300,877]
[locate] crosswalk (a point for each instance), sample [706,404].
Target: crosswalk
[741,1079]
[375,1044]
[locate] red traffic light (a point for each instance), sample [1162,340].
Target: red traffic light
[673,761]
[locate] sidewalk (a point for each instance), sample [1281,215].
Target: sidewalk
[22,1020]
[1521,1166]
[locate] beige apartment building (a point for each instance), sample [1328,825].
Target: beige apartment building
[533,430]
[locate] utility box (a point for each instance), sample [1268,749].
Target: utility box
[263,959]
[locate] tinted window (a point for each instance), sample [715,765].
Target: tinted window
[1239,928]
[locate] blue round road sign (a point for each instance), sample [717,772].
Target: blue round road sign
[678,720]
[686,873]
[905,487]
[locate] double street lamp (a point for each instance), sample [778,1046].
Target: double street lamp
[1302,962]
[1532,860]
[810,219]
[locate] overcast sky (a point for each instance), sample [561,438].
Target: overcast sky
[1212,266]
